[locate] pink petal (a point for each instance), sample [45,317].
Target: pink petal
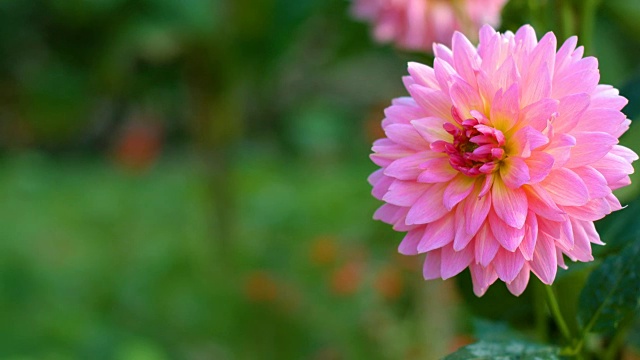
[433,102]
[542,204]
[508,264]
[376,177]
[581,250]
[457,190]
[566,188]
[423,75]
[408,168]
[620,183]
[509,204]
[551,228]
[590,231]
[526,35]
[409,244]
[431,267]
[453,262]
[566,238]
[543,55]
[570,110]
[537,114]
[514,172]
[487,33]
[528,244]
[482,277]
[560,148]
[489,48]
[430,128]
[624,153]
[545,262]
[380,184]
[462,237]
[525,140]
[540,164]
[486,185]
[614,203]
[594,210]
[519,284]
[386,152]
[406,135]
[606,96]
[538,87]
[509,237]
[404,193]
[437,170]
[402,111]
[560,257]
[595,181]
[437,234]
[388,213]
[428,207]
[582,79]
[400,225]
[590,147]
[444,74]
[476,210]
[486,246]
[465,57]
[622,128]
[604,120]
[613,167]
[443,52]
[505,106]
[563,56]
[465,99]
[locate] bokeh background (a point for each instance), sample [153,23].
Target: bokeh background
[186,179]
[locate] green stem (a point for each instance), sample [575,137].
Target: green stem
[567,19]
[537,16]
[587,24]
[540,312]
[557,315]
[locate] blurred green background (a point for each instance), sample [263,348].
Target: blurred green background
[186,179]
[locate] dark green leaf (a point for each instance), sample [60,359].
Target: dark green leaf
[505,350]
[612,292]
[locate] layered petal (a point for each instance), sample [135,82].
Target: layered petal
[502,158]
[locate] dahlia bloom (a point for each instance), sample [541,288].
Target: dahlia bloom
[502,158]
[416,24]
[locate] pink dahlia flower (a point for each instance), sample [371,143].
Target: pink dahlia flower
[502,158]
[416,24]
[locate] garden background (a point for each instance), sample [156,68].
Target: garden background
[186,179]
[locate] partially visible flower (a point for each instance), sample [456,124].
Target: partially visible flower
[502,158]
[417,24]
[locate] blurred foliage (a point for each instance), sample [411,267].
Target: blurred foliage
[96,265]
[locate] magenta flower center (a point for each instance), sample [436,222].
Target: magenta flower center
[476,148]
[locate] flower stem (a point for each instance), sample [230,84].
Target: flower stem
[552,302]
[589,8]
[565,18]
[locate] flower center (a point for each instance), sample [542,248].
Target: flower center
[476,148]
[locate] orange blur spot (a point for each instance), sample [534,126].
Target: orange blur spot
[389,283]
[323,250]
[346,279]
[260,286]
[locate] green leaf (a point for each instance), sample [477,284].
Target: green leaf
[505,350]
[612,292]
